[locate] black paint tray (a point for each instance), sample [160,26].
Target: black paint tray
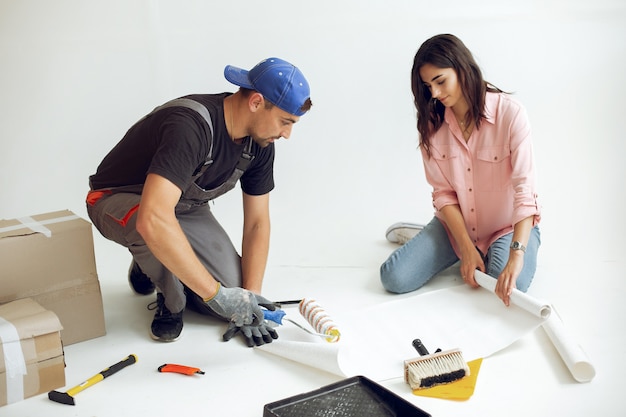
[356,396]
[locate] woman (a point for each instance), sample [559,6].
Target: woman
[476,147]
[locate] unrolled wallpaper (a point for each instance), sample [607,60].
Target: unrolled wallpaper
[375,341]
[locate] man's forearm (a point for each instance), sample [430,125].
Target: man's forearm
[168,244]
[255,250]
[159,227]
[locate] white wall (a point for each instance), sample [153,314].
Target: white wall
[76,74]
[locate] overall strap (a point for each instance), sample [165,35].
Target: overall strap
[246,156]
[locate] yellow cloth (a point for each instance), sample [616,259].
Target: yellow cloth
[460,390]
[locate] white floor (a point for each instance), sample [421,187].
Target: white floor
[527,378]
[350,169]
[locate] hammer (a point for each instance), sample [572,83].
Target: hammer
[68,397]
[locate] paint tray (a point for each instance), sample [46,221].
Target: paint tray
[356,396]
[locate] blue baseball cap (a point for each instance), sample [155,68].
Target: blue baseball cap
[280,82]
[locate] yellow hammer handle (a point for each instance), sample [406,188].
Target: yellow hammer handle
[86,384]
[129,360]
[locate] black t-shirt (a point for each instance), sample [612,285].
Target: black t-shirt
[174,143]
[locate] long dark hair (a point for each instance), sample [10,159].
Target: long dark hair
[447,51]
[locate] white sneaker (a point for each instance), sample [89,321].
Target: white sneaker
[401,233]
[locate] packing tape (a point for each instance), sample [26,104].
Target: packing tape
[37,226]
[14,361]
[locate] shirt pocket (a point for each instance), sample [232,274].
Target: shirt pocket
[493,169]
[447,158]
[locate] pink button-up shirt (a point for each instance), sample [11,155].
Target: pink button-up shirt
[491,176]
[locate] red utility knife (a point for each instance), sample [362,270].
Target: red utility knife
[180,369]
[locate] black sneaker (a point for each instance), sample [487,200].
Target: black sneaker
[166,326]
[139,282]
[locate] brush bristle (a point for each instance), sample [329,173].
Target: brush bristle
[436,369]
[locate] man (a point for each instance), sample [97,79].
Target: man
[151,193]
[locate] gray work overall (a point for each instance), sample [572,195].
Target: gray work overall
[113,210]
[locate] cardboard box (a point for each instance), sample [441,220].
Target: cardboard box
[31,353]
[50,258]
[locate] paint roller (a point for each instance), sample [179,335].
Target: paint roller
[313,313]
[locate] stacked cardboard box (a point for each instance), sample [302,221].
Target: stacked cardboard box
[31,352]
[50,258]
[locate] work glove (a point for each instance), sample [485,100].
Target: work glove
[240,308]
[253,334]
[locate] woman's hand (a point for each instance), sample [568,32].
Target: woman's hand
[470,262]
[508,276]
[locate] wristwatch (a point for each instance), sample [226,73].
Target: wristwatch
[518,246]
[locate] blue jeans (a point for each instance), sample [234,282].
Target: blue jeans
[430,252]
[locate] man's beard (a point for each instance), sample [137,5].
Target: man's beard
[263,142]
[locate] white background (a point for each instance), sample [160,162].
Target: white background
[76,74]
